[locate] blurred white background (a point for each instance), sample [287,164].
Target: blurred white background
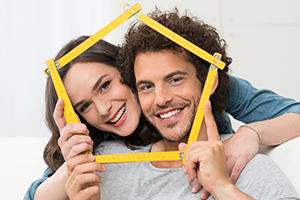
[263,39]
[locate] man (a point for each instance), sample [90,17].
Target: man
[168,80]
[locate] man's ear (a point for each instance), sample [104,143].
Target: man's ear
[215,84]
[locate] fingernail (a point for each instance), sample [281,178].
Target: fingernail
[209,104]
[193,190]
[91,157]
[202,196]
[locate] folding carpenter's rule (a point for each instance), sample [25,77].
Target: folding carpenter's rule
[130,11]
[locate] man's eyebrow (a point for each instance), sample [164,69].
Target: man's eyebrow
[93,89]
[164,78]
[177,72]
[142,82]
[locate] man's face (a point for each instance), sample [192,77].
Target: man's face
[169,92]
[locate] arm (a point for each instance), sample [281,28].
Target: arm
[276,119]
[29,195]
[55,183]
[278,130]
[71,145]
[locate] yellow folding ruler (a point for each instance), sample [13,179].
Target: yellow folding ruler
[130,11]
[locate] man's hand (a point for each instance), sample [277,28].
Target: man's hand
[206,160]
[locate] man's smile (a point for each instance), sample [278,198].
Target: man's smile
[169,114]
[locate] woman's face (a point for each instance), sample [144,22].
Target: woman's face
[97,94]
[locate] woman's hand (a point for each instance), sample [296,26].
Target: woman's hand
[239,150]
[83,183]
[74,138]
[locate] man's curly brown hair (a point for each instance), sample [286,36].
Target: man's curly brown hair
[141,39]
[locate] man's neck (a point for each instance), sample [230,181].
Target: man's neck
[164,145]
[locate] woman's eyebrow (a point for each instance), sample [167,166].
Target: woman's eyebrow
[98,82]
[78,104]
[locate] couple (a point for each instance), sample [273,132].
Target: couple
[116,92]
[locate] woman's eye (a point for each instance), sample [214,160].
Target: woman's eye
[104,86]
[84,107]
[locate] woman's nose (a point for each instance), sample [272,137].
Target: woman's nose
[103,108]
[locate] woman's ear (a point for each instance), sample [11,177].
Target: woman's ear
[215,84]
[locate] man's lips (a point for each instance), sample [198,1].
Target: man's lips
[163,114]
[169,114]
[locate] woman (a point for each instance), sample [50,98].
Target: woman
[106,107]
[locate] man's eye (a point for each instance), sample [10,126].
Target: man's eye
[174,80]
[145,87]
[84,107]
[105,86]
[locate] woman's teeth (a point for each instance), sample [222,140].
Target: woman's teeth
[169,114]
[119,115]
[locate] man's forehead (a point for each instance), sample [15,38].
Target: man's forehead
[165,58]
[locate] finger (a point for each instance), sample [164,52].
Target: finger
[58,114]
[86,179]
[83,159]
[212,130]
[80,139]
[70,130]
[78,149]
[90,191]
[78,118]
[193,159]
[204,194]
[82,185]
[237,169]
[230,163]
[182,147]
[197,186]
[80,178]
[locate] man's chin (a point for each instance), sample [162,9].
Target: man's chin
[182,136]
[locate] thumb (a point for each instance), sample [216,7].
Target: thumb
[182,146]
[78,118]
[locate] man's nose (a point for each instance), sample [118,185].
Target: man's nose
[162,96]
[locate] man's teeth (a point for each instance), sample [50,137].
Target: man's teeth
[119,115]
[169,114]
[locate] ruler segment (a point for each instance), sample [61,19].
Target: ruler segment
[181,41]
[61,92]
[139,157]
[210,79]
[97,36]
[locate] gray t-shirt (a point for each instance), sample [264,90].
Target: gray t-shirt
[261,179]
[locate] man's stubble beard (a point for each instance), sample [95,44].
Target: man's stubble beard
[186,132]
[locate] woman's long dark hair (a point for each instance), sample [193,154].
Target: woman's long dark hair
[101,52]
